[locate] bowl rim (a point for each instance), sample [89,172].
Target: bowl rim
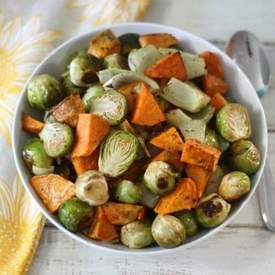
[146,251]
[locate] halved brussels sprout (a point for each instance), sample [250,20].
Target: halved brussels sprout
[148,198]
[91,187]
[185,95]
[105,75]
[233,122]
[68,85]
[126,191]
[43,92]
[92,92]
[214,181]
[117,153]
[205,114]
[211,138]
[136,234]
[112,106]
[189,222]
[115,61]
[245,156]
[75,214]
[168,231]
[141,59]
[159,177]
[234,186]
[57,139]
[35,157]
[80,52]
[212,210]
[81,71]
[129,41]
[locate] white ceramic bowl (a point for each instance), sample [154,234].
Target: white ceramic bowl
[240,89]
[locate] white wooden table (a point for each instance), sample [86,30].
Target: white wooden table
[245,246]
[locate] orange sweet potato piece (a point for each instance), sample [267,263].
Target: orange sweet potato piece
[171,157]
[90,131]
[83,164]
[160,40]
[213,85]
[213,64]
[130,91]
[104,44]
[123,213]
[101,228]
[199,175]
[68,109]
[147,111]
[217,101]
[31,125]
[184,197]
[53,190]
[168,140]
[167,67]
[202,155]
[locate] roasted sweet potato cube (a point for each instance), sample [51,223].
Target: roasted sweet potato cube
[104,44]
[171,157]
[200,154]
[213,64]
[130,91]
[31,125]
[217,101]
[160,40]
[213,85]
[53,190]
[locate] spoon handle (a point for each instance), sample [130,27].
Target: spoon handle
[267,197]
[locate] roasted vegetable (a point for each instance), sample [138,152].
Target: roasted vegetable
[36,158]
[106,75]
[136,235]
[31,125]
[212,211]
[160,40]
[117,153]
[206,114]
[44,92]
[91,187]
[53,190]
[159,178]
[194,65]
[126,191]
[148,198]
[245,156]
[213,85]
[93,92]
[129,41]
[185,95]
[171,157]
[213,64]
[168,231]
[234,186]
[130,91]
[214,181]
[189,222]
[116,61]
[211,138]
[217,101]
[112,106]
[74,213]
[90,131]
[183,197]
[193,129]
[233,122]
[68,86]
[57,138]
[176,117]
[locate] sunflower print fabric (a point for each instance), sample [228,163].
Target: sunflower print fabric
[29,30]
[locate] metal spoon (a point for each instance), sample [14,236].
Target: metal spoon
[247,51]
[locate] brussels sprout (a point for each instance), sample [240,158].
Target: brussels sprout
[126,191]
[129,41]
[44,92]
[105,75]
[117,153]
[81,71]
[91,187]
[148,198]
[141,59]
[234,185]
[80,52]
[189,222]
[224,144]
[57,139]
[205,114]
[159,177]
[136,235]
[112,106]
[245,156]
[168,231]
[185,95]
[233,122]
[68,85]
[92,92]
[212,210]
[211,138]
[214,181]
[115,61]
[74,214]
[35,157]
[48,117]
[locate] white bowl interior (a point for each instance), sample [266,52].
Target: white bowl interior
[240,89]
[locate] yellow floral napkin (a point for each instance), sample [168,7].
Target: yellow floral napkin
[28,31]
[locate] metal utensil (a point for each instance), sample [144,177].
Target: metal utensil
[247,51]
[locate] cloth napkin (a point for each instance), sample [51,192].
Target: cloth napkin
[29,30]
